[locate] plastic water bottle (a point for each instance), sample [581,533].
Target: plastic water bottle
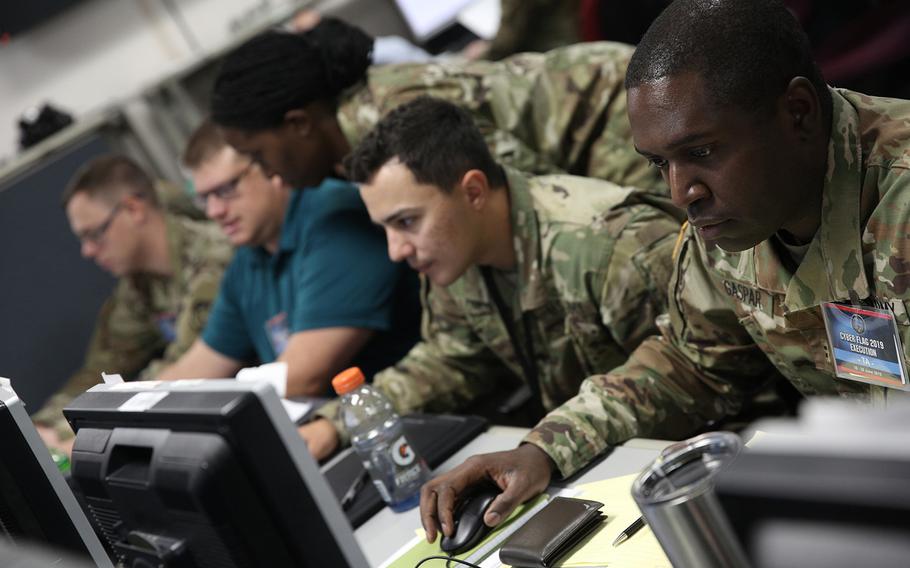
[61,460]
[378,438]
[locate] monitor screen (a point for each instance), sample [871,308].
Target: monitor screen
[203,473]
[36,504]
[426,18]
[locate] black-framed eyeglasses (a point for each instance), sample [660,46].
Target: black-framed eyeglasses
[96,234]
[224,192]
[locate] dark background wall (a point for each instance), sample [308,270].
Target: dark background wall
[49,295]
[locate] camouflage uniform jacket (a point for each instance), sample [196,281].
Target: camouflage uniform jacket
[563,111]
[150,321]
[736,320]
[593,264]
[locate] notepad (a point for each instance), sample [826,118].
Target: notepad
[640,551]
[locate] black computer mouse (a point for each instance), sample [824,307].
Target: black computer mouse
[469,526]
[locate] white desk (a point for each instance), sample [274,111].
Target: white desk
[387,531]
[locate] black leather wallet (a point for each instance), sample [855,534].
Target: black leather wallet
[552,532]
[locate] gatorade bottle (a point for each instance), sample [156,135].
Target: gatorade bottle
[61,460]
[378,438]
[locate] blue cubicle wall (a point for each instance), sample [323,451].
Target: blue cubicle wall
[49,294]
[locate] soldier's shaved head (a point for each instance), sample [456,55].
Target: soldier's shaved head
[747,51]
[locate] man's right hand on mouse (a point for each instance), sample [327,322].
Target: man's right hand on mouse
[521,474]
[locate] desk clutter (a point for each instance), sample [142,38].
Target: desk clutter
[827,489]
[598,528]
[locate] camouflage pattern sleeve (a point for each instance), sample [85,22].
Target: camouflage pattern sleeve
[634,290]
[449,367]
[124,340]
[205,254]
[701,368]
[563,111]
[191,319]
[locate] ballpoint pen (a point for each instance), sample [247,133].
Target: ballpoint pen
[632,529]
[352,491]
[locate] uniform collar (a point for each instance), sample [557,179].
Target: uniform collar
[526,240]
[833,265]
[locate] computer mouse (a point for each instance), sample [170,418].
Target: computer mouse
[469,526]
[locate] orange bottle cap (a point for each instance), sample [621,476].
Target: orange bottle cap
[348,380]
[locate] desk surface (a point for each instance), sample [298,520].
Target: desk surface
[387,531]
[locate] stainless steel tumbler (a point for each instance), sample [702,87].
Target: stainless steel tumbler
[676,496]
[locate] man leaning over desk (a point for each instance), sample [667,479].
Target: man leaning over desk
[797,195]
[532,283]
[169,267]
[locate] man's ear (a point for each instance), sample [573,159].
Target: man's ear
[802,108]
[135,207]
[476,188]
[299,121]
[278,182]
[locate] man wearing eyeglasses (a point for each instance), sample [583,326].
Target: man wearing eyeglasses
[169,267]
[310,285]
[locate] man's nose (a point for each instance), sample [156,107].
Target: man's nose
[685,189]
[214,207]
[88,249]
[399,249]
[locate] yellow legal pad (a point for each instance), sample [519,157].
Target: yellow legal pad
[640,551]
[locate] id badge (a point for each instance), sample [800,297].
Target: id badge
[276,328]
[865,345]
[167,326]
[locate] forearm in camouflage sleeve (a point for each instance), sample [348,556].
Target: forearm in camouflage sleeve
[191,319]
[700,369]
[634,291]
[562,111]
[447,370]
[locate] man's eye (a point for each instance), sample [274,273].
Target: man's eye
[406,222]
[702,152]
[658,163]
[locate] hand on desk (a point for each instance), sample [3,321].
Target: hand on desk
[320,436]
[521,474]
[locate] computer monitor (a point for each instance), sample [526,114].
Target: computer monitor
[828,489]
[36,504]
[203,473]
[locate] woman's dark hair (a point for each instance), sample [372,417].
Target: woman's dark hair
[278,71]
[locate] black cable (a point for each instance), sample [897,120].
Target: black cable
[448,559]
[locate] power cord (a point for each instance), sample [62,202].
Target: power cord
[448,560]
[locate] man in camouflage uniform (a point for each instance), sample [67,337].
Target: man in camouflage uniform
[169,268]
[796,195]
[531,283]
[554,112]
